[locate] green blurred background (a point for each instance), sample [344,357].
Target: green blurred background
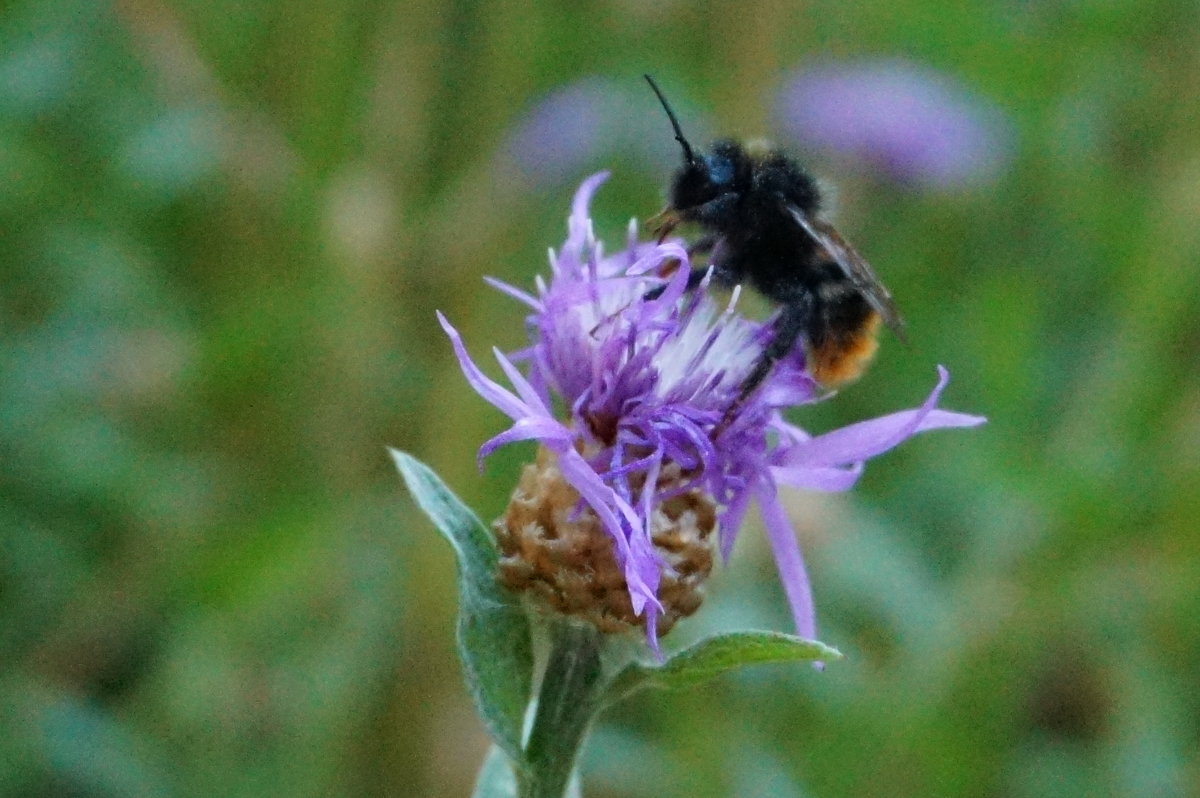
[224,229]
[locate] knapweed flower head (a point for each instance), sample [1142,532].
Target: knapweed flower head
[641,460]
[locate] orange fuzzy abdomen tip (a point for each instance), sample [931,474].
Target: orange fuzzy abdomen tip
[845,357]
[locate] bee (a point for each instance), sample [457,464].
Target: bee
[758,210]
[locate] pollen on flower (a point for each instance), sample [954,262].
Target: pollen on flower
[559,552]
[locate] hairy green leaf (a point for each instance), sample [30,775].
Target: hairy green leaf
[493,630]
[716,655]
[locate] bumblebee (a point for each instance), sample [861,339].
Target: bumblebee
[758,210]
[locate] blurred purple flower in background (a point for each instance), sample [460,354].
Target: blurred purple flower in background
[628,395]
[574,127]
[920,126]
[567,127]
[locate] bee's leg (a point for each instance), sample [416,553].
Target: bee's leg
[787,328]
[702,245]
[789,324]
[662,223]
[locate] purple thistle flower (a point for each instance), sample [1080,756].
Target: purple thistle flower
[644,386]
[916,124]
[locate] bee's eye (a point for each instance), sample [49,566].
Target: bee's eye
[720,170]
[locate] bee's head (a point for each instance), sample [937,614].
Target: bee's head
[709,175]
[706,177]
[702,177]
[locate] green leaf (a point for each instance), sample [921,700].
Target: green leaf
[496,778]
[716,655]
[493,630]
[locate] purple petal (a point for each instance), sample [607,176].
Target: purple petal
[546,430]
[788,559]
[652,632]
[514,292]
[669,250]
[602,499]
[790,384]
[524,389]
[869,438]
[731,522]
[819,478]
[503,399]
[579,224]
[644,562]
[650,488]
[677,284]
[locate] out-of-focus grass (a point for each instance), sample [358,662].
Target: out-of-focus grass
[224,229]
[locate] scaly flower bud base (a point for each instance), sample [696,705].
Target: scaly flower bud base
[557,549]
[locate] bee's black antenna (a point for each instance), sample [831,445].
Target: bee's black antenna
[687,148]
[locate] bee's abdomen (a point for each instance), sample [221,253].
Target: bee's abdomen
[842,330]
[843,354]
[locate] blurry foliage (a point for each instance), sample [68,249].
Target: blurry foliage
[224,228]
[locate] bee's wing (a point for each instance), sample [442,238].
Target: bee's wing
[854,266]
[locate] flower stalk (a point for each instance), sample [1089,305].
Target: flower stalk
[567,702]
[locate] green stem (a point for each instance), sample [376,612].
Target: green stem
[568,701]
